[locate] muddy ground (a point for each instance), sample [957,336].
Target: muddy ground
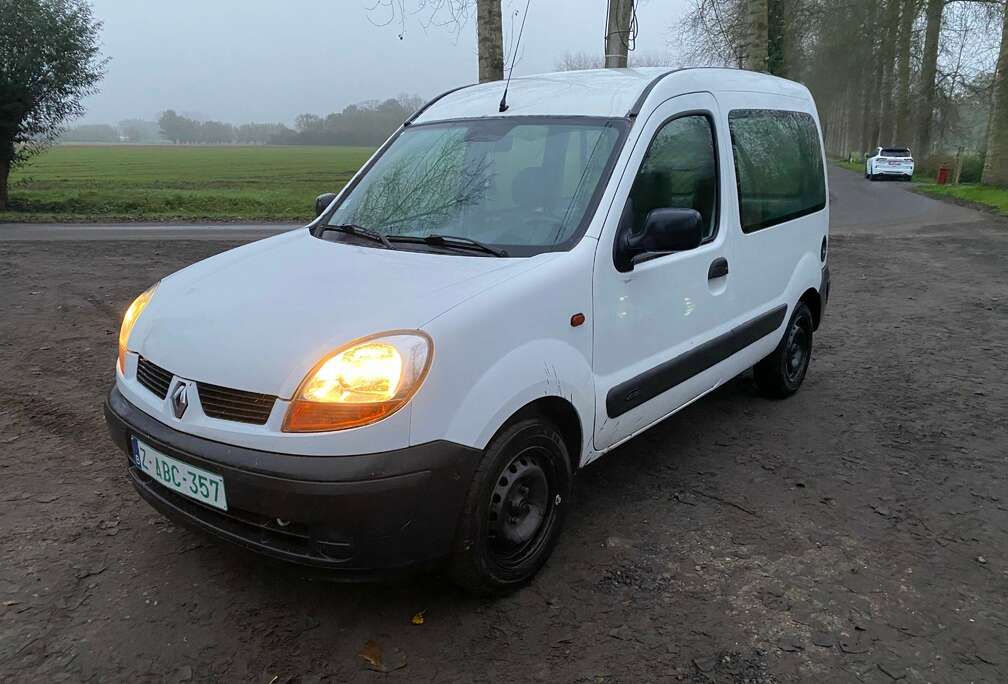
[856,532]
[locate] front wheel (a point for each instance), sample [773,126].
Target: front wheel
[515,508]
[781,373]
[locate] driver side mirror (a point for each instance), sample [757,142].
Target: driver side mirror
[665,230]
[323,201]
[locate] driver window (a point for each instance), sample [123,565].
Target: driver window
[679,171]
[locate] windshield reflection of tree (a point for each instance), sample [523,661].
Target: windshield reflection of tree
[423,191]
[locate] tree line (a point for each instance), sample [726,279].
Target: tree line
[364,124]
[918,73]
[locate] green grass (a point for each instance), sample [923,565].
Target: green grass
[985,197]
[178,183]
[849,165]
[982,196]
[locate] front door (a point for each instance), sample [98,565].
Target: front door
[654,324]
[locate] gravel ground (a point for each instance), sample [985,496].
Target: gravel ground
[856,532]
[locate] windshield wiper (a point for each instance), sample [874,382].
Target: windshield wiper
[450,241]
[360,231]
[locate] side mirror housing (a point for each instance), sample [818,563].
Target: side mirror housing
[323,201]
[665,230]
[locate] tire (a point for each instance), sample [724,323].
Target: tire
[514,510]
[780,374]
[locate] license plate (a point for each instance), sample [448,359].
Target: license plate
[895,163]
[180,477]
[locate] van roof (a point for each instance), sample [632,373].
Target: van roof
[596,92]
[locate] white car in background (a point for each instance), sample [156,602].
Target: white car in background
[890,161]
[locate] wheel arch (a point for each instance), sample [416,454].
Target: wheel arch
[813,300]
[563,415]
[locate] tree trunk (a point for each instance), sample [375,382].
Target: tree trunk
[617,42]
[870,78]
[778,40]
[995,171]
[757,48]
[891,32]
[5,167]
[903,114]
[490,39]
[929,72]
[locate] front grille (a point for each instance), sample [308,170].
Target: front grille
[232,404]
[153,377]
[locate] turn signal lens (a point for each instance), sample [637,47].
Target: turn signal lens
[360,384]
[130,319]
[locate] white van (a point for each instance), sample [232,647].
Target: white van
[495,300]
[890,161]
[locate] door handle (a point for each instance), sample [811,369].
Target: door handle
[718,268]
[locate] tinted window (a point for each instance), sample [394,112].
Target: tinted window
[778,164]
[895,152]
[679,171]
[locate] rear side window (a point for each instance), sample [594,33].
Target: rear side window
[778,166]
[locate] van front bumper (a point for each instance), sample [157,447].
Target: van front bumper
[361,514]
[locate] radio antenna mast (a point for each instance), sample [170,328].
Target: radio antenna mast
[514,57]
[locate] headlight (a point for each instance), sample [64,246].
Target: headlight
[361,383]
[130,319]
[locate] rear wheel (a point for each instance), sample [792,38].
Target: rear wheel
[515,508]
[781,373]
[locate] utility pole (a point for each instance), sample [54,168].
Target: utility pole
[619,33]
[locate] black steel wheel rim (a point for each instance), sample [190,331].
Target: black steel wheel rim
[797,350]
[522,508]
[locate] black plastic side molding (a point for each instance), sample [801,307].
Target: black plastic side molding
[632,393]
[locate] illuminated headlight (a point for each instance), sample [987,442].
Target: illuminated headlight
[362,383]
[130,319]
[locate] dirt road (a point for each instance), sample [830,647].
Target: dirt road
[856,532]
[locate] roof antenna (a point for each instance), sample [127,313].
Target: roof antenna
[514,57]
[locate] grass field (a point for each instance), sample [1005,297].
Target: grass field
[178,183]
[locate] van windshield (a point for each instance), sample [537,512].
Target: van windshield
[523,184]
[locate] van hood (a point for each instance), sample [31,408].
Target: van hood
[259,317]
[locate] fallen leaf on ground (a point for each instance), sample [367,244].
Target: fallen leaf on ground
[418,618]
[377,659]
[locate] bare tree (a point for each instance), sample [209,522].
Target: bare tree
[456,14]
[903,123]
[712,33]
[578,61]
[890,31]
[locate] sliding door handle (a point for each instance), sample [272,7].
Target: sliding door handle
[718,268]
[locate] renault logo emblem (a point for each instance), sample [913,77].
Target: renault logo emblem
[180,399]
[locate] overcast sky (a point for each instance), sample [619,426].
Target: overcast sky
[267,60]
